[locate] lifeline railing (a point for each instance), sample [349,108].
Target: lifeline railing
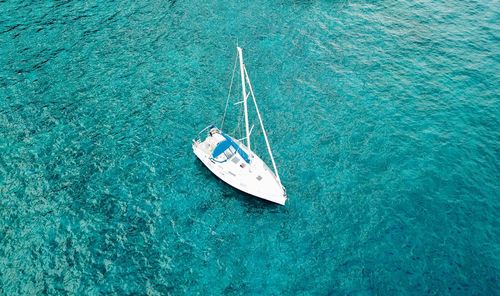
[198,135]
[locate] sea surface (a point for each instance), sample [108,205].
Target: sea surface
[383,117]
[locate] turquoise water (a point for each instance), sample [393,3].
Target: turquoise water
[383,117]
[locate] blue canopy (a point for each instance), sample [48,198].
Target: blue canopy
[224,145]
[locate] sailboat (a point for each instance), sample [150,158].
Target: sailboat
[232,160]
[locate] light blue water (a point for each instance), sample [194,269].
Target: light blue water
[383,117]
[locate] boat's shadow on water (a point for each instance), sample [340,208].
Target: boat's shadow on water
[252,203]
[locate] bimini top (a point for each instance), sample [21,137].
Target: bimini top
[224,145]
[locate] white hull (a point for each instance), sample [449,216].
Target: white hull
[254,178]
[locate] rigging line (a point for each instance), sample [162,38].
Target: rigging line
[229,94]
[238,126]
[262,125]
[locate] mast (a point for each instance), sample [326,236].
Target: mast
[245,96]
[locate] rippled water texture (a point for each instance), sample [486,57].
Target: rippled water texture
[383,117]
